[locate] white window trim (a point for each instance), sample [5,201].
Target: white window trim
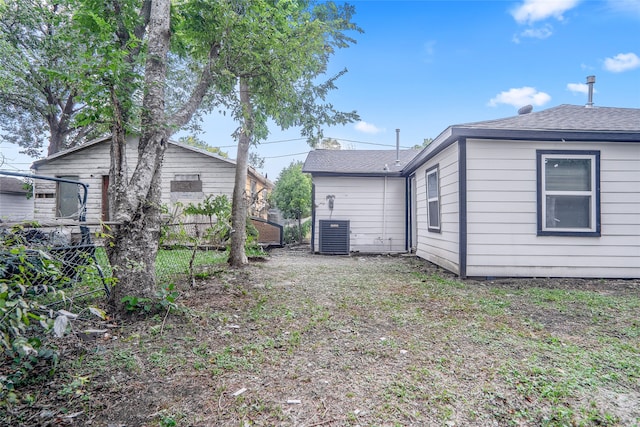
[433,171]
[593,194]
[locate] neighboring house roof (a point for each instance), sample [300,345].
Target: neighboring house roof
[357,162]
[97,141]
[561,123]
[11,186]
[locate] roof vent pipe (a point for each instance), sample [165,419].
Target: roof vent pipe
[590,81]
[397,146]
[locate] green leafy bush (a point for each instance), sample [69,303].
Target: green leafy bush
[24,322]
[292,234]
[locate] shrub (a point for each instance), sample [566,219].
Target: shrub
[24,322]
[292,233]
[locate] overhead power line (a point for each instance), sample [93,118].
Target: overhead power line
[286,155]
[327,137]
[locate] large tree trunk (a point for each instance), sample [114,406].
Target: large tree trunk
[237,255]
[135,242]
[134,245]
[136,201]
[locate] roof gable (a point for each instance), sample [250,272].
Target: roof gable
[106,139]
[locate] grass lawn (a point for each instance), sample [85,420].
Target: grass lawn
[302,340]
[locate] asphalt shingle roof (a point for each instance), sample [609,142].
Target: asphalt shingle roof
[11,185]
[356,161]
[568,118]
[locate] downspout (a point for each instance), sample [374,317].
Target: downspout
[408,214]
[313,218]
[462,196]
[384,211]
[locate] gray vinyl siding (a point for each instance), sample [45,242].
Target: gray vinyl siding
[440,248]
[377,218]
[502,208]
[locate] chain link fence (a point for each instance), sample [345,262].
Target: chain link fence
[190,250]
[60,258]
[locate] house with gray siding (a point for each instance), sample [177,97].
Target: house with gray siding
[359,199]
[554,193]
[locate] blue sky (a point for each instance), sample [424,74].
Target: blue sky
[421,66]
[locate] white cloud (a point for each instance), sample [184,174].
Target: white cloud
[365,127]
[520,96]
[538,10]
[622,62]
[581,88]
[535,33]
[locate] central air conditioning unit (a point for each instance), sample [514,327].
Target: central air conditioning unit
[334,237]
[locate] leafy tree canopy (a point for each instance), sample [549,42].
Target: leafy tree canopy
[292,193]
[198,143]
[330,144]
[40,53]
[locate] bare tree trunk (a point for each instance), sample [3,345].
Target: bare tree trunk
[56,139]
[237,255]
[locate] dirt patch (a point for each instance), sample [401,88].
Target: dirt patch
[310,340]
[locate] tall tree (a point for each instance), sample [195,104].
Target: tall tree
[38,98]
[276,52]
[128,57]
[257,58]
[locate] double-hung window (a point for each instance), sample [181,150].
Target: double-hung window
[568,193]
[433,199]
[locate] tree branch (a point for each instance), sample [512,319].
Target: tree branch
[184,114]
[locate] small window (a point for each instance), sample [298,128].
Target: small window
[433,199]
[186,183]
[568,193]
[67,201]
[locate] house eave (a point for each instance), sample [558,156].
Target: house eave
[397,174]
[455,133]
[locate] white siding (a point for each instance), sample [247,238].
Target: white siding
[502,214]
[15,207]
[375,207]
[217,176]
[440,248]
[92,163]
[88,165]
